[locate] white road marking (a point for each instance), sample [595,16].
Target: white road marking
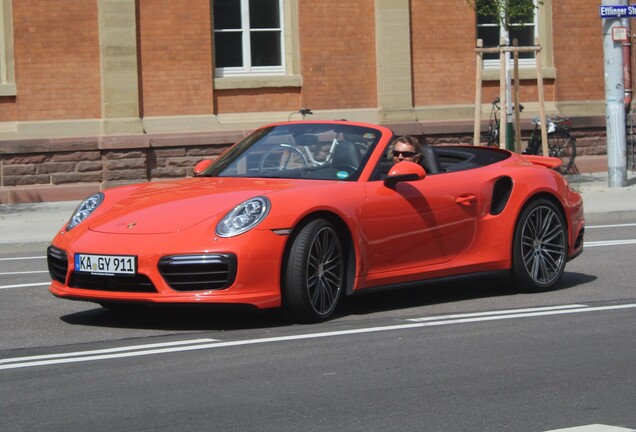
[611,226]
[25,285]
[24,362]
[21,273]
[107,350]
[510,314]
[22,258]
[609,243]
[499,312]
[593,428]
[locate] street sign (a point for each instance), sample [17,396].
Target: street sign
[618,11]
[620,34]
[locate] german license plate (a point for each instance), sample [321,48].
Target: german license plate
[106,265]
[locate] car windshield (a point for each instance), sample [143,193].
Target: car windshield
[328,151]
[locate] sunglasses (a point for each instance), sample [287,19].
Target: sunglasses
[406,154]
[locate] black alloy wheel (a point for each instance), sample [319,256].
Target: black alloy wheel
[540,247]
[314,274]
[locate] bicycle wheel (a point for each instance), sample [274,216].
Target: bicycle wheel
[562,145]
[283,157]
[490,138]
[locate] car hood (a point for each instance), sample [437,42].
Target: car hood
[167,207]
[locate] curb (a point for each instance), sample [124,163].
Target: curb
[610,218]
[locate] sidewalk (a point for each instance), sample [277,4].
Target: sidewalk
[603,203]
[39,222]
[33,223]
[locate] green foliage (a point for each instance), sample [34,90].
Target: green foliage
[506,12]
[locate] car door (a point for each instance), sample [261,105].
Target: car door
[418,224]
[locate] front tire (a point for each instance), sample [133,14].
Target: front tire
[313,279]
[540,247]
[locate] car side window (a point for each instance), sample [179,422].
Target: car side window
[384,165]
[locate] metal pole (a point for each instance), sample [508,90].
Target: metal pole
[507,108]
[478,82]
[614,97]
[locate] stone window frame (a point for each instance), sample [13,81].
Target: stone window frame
[527,69]
[290,77]
[7,74]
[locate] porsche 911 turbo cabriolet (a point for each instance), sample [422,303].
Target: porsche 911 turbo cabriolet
[299,214]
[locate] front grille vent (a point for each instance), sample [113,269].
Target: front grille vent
[198,272]
[138,283]
[58,263]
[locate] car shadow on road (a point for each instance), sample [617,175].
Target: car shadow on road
[449,293]
[178,318]
[206,318]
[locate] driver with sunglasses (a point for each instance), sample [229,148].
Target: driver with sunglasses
[406,148]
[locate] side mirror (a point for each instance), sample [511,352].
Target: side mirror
[201,166]
[402,172]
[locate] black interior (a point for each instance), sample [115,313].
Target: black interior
[445,159]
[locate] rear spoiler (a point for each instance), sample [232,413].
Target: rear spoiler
[546,161]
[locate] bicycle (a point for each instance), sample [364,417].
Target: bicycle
[561,143]
[290,156]
[338,158]
[492,136]
[294,156]
[306,152]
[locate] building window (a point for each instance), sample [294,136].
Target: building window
[524,29]
[249,37]
[7,80]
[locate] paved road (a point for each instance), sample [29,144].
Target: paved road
[519,374]
[472,356]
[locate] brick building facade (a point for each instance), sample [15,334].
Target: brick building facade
[96,93]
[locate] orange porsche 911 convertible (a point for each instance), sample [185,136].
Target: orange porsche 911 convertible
[299,214]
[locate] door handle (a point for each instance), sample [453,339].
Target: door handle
[466,200]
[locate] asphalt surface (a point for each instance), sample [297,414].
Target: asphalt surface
[519,374]
[39,222]
[482,358]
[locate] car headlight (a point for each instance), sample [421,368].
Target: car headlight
[85,208]
[243,217]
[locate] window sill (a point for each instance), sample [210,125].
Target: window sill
[249,82]
[527,73]
[8,89]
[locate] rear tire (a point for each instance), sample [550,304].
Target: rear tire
[313,279]
[540,247]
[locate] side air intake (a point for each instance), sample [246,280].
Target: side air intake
[500,195]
